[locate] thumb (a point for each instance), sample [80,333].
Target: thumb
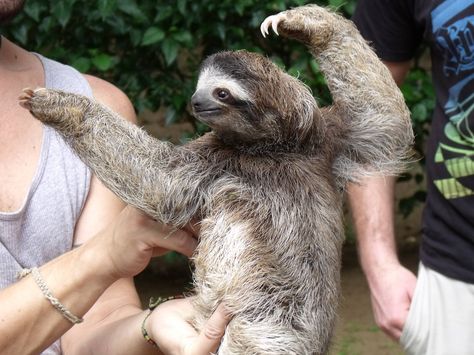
[210,337]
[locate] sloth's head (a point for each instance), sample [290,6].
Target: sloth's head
[248,101]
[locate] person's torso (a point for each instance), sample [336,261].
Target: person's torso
[448,220]
[396,30]
[37,222]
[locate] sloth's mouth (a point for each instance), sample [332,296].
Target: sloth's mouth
[208,112]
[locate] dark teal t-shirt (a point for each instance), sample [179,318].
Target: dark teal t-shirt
[396,29]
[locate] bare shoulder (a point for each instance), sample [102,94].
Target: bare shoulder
[112,97]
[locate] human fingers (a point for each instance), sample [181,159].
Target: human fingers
[170,326]
[179,240]
[211,335]
[390,313]
[193,227]
[161,237]
[391,301]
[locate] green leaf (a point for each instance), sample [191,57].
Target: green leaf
[419,113]
[135,37]
[106,7]
[221,14]
[20,33]
[152,35]
[336,4]
[131,8]
[182,7]
[46,24]
[117,24]
[350,7]
[33,9]
[62,11]
[183,37]
[82,64]
[163,13]
[170,50]
[102,61]
[239,8]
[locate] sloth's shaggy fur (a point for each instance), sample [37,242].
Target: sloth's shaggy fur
[266,183]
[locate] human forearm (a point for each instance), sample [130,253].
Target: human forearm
[391,285]
[119,333]
[373,216]
[169,326]
[29,323]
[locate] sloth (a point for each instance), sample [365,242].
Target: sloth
[266,183]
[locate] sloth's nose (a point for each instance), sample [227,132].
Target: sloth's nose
[197,101]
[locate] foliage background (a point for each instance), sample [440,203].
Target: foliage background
[152,50]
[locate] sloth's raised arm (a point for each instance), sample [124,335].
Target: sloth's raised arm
[365,95]
[162,180]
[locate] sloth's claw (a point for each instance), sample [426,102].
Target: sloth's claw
[264,27]
[25,98]
[273,21]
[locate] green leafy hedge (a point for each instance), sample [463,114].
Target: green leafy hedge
[152,49]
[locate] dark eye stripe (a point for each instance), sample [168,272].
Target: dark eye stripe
[247,110]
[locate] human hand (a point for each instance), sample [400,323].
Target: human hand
[169,326]
[391,292]
[133,238]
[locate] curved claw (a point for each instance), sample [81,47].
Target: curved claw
[25,97]
[272,20]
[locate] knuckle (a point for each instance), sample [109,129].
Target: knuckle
[181,239]
[212,332]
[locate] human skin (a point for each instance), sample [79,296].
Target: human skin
[391,284]
[116,243]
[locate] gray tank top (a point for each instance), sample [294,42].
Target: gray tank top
[43,227]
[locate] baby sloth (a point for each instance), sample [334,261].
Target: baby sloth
[266,182]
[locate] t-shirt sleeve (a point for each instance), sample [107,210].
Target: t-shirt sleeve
[390,27]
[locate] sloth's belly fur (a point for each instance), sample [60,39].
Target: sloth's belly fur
[283,301]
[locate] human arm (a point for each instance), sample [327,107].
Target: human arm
[29,323]
[391,285]
[169,326]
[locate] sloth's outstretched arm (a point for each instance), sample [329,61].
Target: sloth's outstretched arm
[365,95]
[162,180]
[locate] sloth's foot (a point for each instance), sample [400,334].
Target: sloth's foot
[273,21]
[311,25]
[56,108]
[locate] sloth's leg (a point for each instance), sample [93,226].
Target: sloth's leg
[154,176]
[55,108]
[363,90]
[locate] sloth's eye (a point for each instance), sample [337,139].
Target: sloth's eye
[222,94]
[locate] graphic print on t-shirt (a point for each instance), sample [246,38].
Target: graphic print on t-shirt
[454,36]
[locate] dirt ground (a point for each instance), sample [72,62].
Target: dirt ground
[356,332]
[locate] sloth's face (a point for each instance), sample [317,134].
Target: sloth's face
[245,98]
[224,104]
